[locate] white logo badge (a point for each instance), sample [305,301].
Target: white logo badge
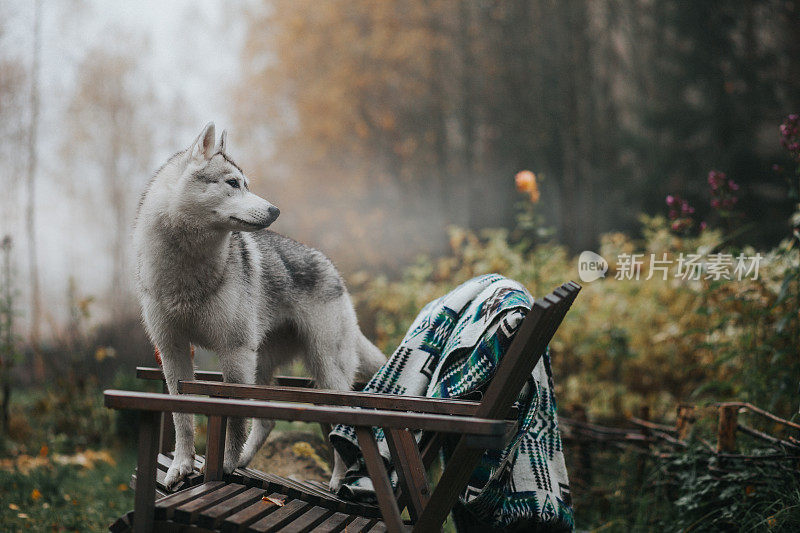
[591,266]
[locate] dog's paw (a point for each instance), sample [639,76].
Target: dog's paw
[178,470]
[334,484]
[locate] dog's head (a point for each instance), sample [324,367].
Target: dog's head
[213,191]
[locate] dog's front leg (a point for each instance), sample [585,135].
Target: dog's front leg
[238,366]
[176,359]
[261,427]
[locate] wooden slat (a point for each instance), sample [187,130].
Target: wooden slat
[282,516]
[360,525]
[410,470]
[276,483]
[213,516]
[334,523]
[311,492]
[286,411]
[394,402]
[380,479]
[153,373]
[323,494]
[346,506]
[145,496]
[241,519]
[305,522]
[189,511]
[146,372]
[165,505]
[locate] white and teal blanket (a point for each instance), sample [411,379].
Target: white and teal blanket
[451,350]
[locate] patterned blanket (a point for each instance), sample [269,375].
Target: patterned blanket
[451,350]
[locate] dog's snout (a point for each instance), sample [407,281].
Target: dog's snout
[273,213]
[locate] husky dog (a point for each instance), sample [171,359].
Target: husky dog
[209,274]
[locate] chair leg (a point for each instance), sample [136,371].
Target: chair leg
[145,498]
[410,471]
[215,448]
[455,476]
[380,479]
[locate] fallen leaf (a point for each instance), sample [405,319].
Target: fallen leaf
[276,501]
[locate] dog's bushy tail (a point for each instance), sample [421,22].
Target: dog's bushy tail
[370,357]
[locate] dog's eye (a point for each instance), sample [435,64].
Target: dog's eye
[233,183]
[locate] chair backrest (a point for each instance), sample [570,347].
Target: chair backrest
[527,348]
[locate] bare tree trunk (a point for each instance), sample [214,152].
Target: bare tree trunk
[472,186]
[30,218]
[7,353]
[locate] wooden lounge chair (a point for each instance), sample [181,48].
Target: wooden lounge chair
[249,500]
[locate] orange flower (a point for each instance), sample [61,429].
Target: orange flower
[526,182]
[35,494]
[43,450]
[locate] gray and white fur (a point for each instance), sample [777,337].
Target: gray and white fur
[210,274]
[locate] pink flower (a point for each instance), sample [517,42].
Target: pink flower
[703,226]
[790,135]
[715,203]
[670,200]
[732,185]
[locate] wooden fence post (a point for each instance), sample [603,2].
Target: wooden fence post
[644,414]
[583,452]
[685,420]
[726,431]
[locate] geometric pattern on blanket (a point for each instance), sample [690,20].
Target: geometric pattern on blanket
[451,350]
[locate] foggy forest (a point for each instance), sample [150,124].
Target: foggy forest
[418,144]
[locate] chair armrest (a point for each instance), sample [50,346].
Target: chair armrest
[489,433]
[370,400]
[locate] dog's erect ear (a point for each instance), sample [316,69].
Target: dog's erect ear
[221,146]
[202,149]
